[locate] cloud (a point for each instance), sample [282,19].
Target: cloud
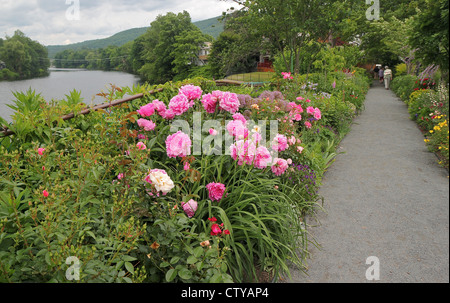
[47,22]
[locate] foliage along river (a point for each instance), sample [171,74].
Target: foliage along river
[61,82]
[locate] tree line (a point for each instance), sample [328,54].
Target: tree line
[22,58]
[299,36]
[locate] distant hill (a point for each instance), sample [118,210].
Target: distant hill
[210,26]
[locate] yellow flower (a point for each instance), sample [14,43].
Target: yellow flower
[431,131]
[426,140]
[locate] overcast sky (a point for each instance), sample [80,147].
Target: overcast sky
[53,22]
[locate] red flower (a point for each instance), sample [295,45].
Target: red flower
[226,231]
[45,193]
[213,219]
[215,230]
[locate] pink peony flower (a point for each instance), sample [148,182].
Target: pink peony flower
[41,151]
[179,104]
[148,125]
[262,158]
[147,110]
[178,145]
[236,128]
[310,110]
[192,92]
[210,101]
[239,116]
[280,143]
[279,166]
[229,102]
[243,151]
[168,114]
[190,207]
[45,193]
[141,146]
[159,106]
[215,191]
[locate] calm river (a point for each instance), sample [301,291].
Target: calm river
[62,81]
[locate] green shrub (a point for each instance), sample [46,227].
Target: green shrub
[403,86]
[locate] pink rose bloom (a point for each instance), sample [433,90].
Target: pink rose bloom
[148,125]
[210,101]
[190,207]
[178,145]
[239,116]
[215,191]
[308,125]
[280,143]
[141,146]
[300,149]
[213,132]
[308,101]
[279,166]
[179,104]
[41,151]
[45,193]
[317,114]
[146,110]
[192,92]
[298,117]
[229,102]
[300,98]
[262,158]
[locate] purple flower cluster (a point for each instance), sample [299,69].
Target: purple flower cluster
[305,175]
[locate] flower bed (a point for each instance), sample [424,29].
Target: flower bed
[428,107]
[190,184]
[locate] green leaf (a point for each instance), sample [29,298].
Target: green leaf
[185,274]
[174,260]
[198,252]
[129,267]
[191,260]
[171,275]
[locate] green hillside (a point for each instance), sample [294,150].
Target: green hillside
[210,26]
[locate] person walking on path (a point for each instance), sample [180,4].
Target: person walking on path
[387,76]
[386,210]
[380,74]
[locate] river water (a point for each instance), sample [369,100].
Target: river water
[61,82]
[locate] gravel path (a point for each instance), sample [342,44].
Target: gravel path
[386,197]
